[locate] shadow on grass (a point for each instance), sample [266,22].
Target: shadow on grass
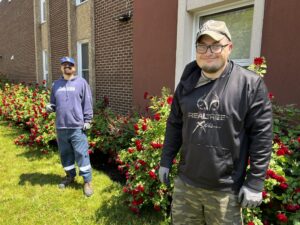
[44,179]
[11,133]
[114,211]
[100,162]
[34,154]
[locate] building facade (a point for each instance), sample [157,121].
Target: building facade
[127,47]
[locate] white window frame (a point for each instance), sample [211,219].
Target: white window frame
[79,3]
[188,25]
[79,56]
[43,13]
[45,66]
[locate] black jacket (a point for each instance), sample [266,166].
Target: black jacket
[218,127]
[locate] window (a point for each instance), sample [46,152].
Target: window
[78,2]
[83,60]
[239,22]
[244,19]
[43,11]
[45,66]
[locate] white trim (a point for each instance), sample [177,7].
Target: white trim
[45,66]
[85,168]
[43,13]
[184,39]
[187,25]
[257,29]
[67,168]
[79,55]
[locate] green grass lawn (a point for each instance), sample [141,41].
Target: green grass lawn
[29,192]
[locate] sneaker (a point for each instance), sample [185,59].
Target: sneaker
[66,181]
[87,189]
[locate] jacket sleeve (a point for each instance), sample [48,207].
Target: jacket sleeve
[52,95]
[87,104]
[258,125]
[173,136]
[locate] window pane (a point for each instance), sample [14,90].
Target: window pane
[85,56]
[239,23]
[44,10]
[85,75]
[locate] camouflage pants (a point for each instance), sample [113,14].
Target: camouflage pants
[193,206]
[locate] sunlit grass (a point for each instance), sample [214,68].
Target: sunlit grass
[29,194]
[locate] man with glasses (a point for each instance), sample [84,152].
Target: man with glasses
[220,120]
[71,99]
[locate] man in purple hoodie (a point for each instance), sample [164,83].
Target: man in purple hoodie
[71,99]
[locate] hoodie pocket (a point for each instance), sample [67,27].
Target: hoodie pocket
[208,165]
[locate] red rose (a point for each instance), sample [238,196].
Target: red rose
[258,61]
[130,150]
[270,173]
[93,144]
[283,186]
[157,116]
[270,95]
[90,151]
[144,127]
[142,162]
[145,95]
[136,127]
[282,217]
[292,208]
[156,207]
[125,190]
[280,179]
[250,223]
[152,174]
[140,188]
[264,194]
[170,100]
[137,166]
[280,152]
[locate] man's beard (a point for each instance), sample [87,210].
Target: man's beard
[212,69]
[68,71]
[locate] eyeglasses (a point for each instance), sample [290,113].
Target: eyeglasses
[202,49]
[66,64]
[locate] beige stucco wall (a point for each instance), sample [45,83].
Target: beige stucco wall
[83,21]
[45,33]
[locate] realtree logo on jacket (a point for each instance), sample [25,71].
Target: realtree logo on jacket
[208,113]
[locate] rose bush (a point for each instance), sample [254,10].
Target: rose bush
[24,105]
[110,132]
[140,161]
[281,204]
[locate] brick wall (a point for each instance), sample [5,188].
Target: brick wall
[17,39]
[58,13]
[114,54]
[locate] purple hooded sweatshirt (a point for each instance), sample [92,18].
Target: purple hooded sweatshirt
[73,102]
